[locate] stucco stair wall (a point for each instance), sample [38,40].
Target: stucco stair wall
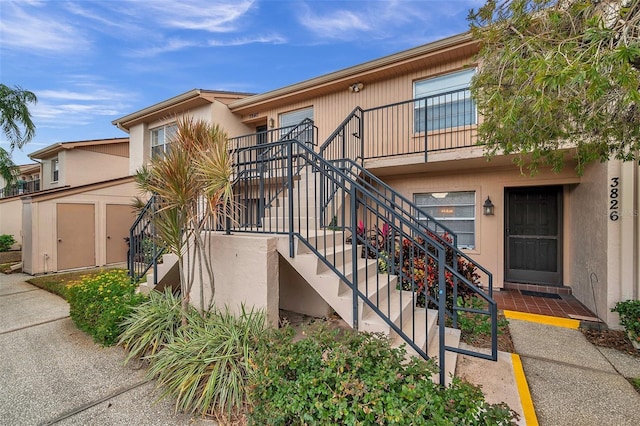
[419,324]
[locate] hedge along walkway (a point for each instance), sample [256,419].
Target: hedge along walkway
[52,373]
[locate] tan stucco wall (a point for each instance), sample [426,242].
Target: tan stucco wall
[588,253]
[11,218]
[139,147]
[296,295]
[622,282]
[45,180]
[140,134]
[27,241]
[42,249]
[245,272]
[487,181]
[83,167]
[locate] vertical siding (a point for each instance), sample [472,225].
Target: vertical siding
[331,109]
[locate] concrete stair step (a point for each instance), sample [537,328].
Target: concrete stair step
[452,339]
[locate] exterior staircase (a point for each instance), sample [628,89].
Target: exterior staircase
[166,274]
[356,241]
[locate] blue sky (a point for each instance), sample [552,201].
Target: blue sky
[90,62]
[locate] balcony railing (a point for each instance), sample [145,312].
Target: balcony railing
[433,123]
[20,188]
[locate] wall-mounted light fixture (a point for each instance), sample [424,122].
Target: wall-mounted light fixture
[356,87]
[272,123]
[488,207]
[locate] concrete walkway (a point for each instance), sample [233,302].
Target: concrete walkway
[573,382]
[51,373]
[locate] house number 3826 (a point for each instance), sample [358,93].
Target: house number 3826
[614,203]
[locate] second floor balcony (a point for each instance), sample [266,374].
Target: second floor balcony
[20,188]
[417,130]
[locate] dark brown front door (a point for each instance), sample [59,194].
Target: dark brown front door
[533,243]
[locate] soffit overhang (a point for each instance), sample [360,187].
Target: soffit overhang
[177,105]
[52,150]
[421,57]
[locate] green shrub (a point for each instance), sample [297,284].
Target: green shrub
[629,311]
[99,304]
[205,367]
[153,324]
[6,241]
[343,377]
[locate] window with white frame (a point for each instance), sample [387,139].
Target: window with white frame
[444,102]
[55,169]
[289,120]
[455,210]
[160,140]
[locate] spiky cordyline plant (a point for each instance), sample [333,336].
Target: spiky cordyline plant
[193,182]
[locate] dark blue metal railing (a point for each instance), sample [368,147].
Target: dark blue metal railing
[382,270]
[20,188]
[144,250]
[432,123]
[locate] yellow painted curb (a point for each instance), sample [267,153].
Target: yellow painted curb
[528,411]
[543,319]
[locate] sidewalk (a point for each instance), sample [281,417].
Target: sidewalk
[573,382]
[52,373]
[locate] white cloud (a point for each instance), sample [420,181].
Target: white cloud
[33,29]
[272,39]
[340,24]
[204,15]
[84,102]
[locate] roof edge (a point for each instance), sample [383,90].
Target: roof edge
[354,70]
[59,146]
[209,95]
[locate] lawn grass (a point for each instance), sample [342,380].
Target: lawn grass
[57,283]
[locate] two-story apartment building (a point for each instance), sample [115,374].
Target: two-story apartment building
[416,121]
[80,212]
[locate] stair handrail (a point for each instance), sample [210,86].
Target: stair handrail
[355,116]
[137,242]
[405,228]
[430,244]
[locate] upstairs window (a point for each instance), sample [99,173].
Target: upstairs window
[55,169]
[161,139]
[444,102]
[456,210]
[289,120]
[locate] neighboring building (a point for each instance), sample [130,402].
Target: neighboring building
[68,164]
[79,213]
[553,232]
[27,181]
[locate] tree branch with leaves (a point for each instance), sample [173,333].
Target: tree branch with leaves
[17,125]
[558,79]
[193,181]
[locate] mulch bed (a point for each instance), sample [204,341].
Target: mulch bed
[616,339]
[10,256]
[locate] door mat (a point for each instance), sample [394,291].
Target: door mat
[539,294]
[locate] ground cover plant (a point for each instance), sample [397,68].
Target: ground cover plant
[205,366]
[60,283]
[152,324]
[345,377]
[6,241]
[98,304]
